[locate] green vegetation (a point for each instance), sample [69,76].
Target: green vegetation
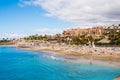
[114,38]
[37,37]
[111,37]
[4,41]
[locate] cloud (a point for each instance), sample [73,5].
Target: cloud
[42,31]
[81,11]
[48,31]
[11,35]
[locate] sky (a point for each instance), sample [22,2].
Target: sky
[20,18]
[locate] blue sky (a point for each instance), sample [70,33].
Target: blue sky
[15,19]
[26,17]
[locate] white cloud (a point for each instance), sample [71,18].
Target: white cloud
[11,35]
[48,31]
[42,31]
[81,11]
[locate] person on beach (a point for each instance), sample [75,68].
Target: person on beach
[91,62]
[65,60]
[110,58]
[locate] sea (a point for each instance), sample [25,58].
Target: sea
[18,64]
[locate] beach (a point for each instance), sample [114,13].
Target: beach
[106,56]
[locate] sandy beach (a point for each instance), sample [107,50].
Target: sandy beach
[105,56]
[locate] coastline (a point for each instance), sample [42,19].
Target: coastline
[83,59]
[101,60]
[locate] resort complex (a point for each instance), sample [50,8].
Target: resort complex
[100,35]
[79,31]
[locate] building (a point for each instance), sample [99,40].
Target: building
[112,29]
[79,31]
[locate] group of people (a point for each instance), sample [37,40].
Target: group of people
[80,48]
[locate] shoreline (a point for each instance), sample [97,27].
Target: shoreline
[93,59]
[80,60]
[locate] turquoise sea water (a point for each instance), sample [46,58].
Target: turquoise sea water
[16,64]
